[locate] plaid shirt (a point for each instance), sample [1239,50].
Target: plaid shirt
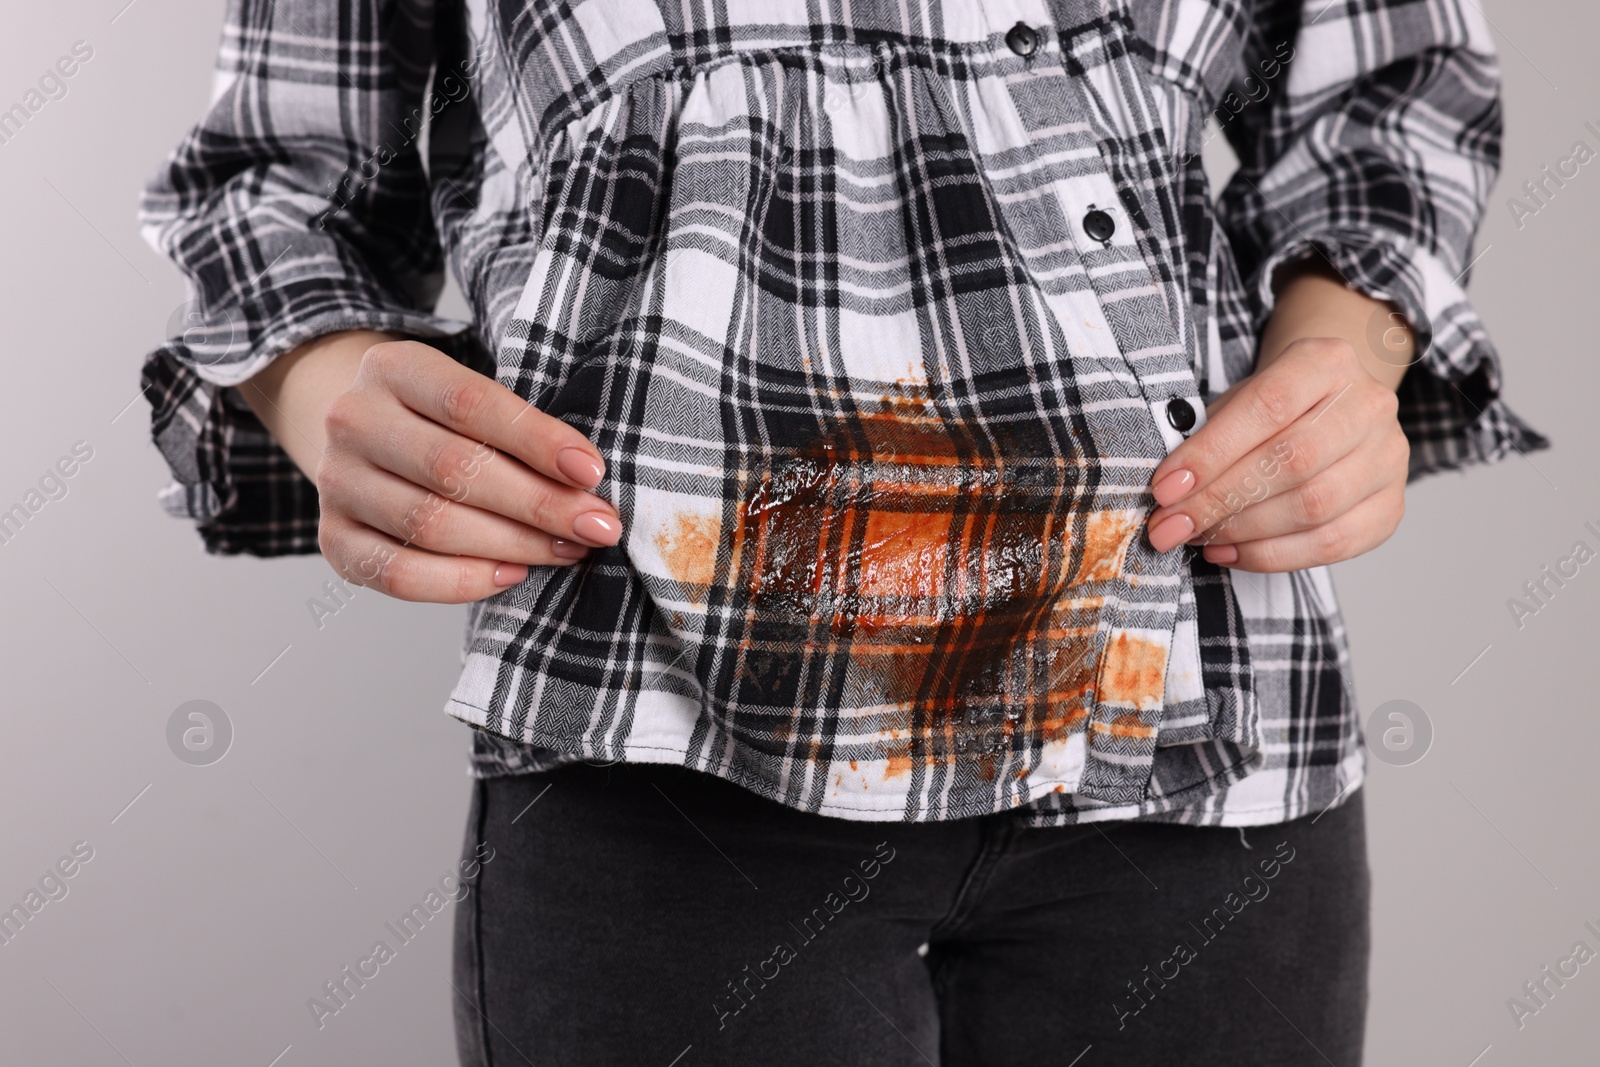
[882,323]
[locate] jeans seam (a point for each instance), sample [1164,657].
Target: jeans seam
[477,935]
[996,835]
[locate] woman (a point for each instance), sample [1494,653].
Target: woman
[892,496]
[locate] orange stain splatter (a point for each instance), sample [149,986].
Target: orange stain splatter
[1135,672]
[688,546]
[1128,724]
[1105,542]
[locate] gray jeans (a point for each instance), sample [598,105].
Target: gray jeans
[642,914]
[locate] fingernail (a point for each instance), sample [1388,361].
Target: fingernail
[1174,487]
[580,466]
[568,549]
[597,527]
[1221,554]
[509,574]
[1173,531]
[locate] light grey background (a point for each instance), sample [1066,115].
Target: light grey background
[224,896]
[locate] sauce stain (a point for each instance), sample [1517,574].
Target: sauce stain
[1105,543]
[903,560]
[1135,673]
[688,546]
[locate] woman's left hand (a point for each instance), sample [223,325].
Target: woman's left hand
[1301,464]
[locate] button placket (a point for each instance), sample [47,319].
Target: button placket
[1160,381]
[1153,351]
[1101,214]
[1121,305]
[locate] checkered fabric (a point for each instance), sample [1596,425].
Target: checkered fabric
[876,315]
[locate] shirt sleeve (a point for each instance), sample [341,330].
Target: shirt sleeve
[298,206]
[1369,133]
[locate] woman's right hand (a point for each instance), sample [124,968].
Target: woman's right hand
[436,483]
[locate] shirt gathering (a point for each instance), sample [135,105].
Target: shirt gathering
[881,318]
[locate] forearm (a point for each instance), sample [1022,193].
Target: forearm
[1312,301]
[291,396]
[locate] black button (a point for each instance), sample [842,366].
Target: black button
[1180,414]
[1023,39]
[1098,225]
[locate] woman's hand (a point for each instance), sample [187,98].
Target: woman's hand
[1304,462]
[436,483]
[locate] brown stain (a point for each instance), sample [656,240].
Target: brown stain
[903,554]
[688,546]
[1072,678]
[1063,720]
[939,560]
[1135,673]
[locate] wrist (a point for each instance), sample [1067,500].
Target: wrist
[292,394]
[1312,300]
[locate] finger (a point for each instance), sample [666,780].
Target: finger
[1266,403]
[1319,500]
[371,558]
[463,470]
[1361,529]
[1215,404]
[437,387]
[1318,440]
[433,522]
